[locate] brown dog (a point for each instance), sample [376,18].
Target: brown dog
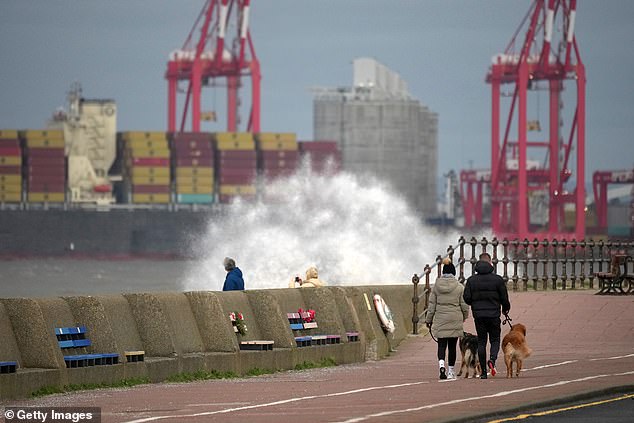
[515,349]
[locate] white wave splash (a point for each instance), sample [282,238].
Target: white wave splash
[354,230]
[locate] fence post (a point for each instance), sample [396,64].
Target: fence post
[505,259]
[415,300]
[535,261]
[525,270]
[545,264]
[573,274]
[591,271]
[461,260]
[555,253]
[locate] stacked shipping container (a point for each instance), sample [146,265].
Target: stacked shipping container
[147,165]
[320,153]
[236,165]
[278,154]
[10,167]
[193,167]
[45,168]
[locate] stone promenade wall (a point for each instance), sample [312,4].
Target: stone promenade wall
[190,331]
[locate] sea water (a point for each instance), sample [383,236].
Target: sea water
[354,230]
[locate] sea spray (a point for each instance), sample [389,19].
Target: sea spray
[354,230]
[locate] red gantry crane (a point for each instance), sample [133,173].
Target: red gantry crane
[200,61]
[600,182]
[549,53]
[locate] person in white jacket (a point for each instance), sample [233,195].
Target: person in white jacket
[312,280]
[446,314]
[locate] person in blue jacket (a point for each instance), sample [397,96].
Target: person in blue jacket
[233,281]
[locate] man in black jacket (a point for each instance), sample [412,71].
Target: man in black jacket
[486,292]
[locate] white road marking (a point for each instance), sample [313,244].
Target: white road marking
[499,394]
[286,401]
[612,358]
[550,365]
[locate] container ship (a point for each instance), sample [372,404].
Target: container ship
[80,188]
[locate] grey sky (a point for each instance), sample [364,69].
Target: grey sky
[119,49]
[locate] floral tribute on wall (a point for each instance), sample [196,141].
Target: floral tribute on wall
[237,320]
[307,318]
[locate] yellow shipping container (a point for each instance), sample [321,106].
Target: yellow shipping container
[6,187]
[194,189]
[141,135]
[195,180]
[10,197]
[195,171]
[161,153]
[43,134]
[10,179]
[10,160]
[150,180]
[272,145]
[237,189]
[45,143]
[45,197]
[276,136]
[8,134]
[151,198]
[142,143]
[235,141]
[150,171]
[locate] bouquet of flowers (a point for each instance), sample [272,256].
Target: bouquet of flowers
[237,319]
[309,318]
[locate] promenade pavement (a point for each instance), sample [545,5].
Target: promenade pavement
[583,344]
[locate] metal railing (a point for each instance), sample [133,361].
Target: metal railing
[524,264]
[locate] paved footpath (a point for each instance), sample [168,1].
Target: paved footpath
[582,343]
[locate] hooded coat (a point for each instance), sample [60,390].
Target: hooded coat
[447,309]
[312,280]
[486,292]
[234,281]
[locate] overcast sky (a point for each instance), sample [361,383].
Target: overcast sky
[119,49]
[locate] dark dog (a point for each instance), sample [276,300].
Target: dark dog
[515,349]
[469,350]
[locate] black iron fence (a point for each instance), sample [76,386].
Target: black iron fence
[524,265]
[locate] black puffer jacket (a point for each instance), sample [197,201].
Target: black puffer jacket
[486,292]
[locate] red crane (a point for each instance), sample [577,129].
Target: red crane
[600,182]
[212,57]
[540,57]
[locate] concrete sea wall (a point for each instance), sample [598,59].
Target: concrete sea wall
[191,331]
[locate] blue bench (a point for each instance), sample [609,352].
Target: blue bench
[8,366]
[73,339]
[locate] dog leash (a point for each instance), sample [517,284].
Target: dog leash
[431,334]
[507,320]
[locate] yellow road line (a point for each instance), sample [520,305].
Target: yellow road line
[559,410]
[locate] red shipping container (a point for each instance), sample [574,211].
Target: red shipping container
[10,143]
[228,198]
[46,152]
[150,161]
[10,151]
[236,179]
[318,145]
[275,164]
[236,171]
[40,179]
[233,163]
[46,162]
[46,170]
[10,170]
[195,162]
[278,173]
[183,154]
[237,154]
[279,155]
[151,189]
[46,187]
